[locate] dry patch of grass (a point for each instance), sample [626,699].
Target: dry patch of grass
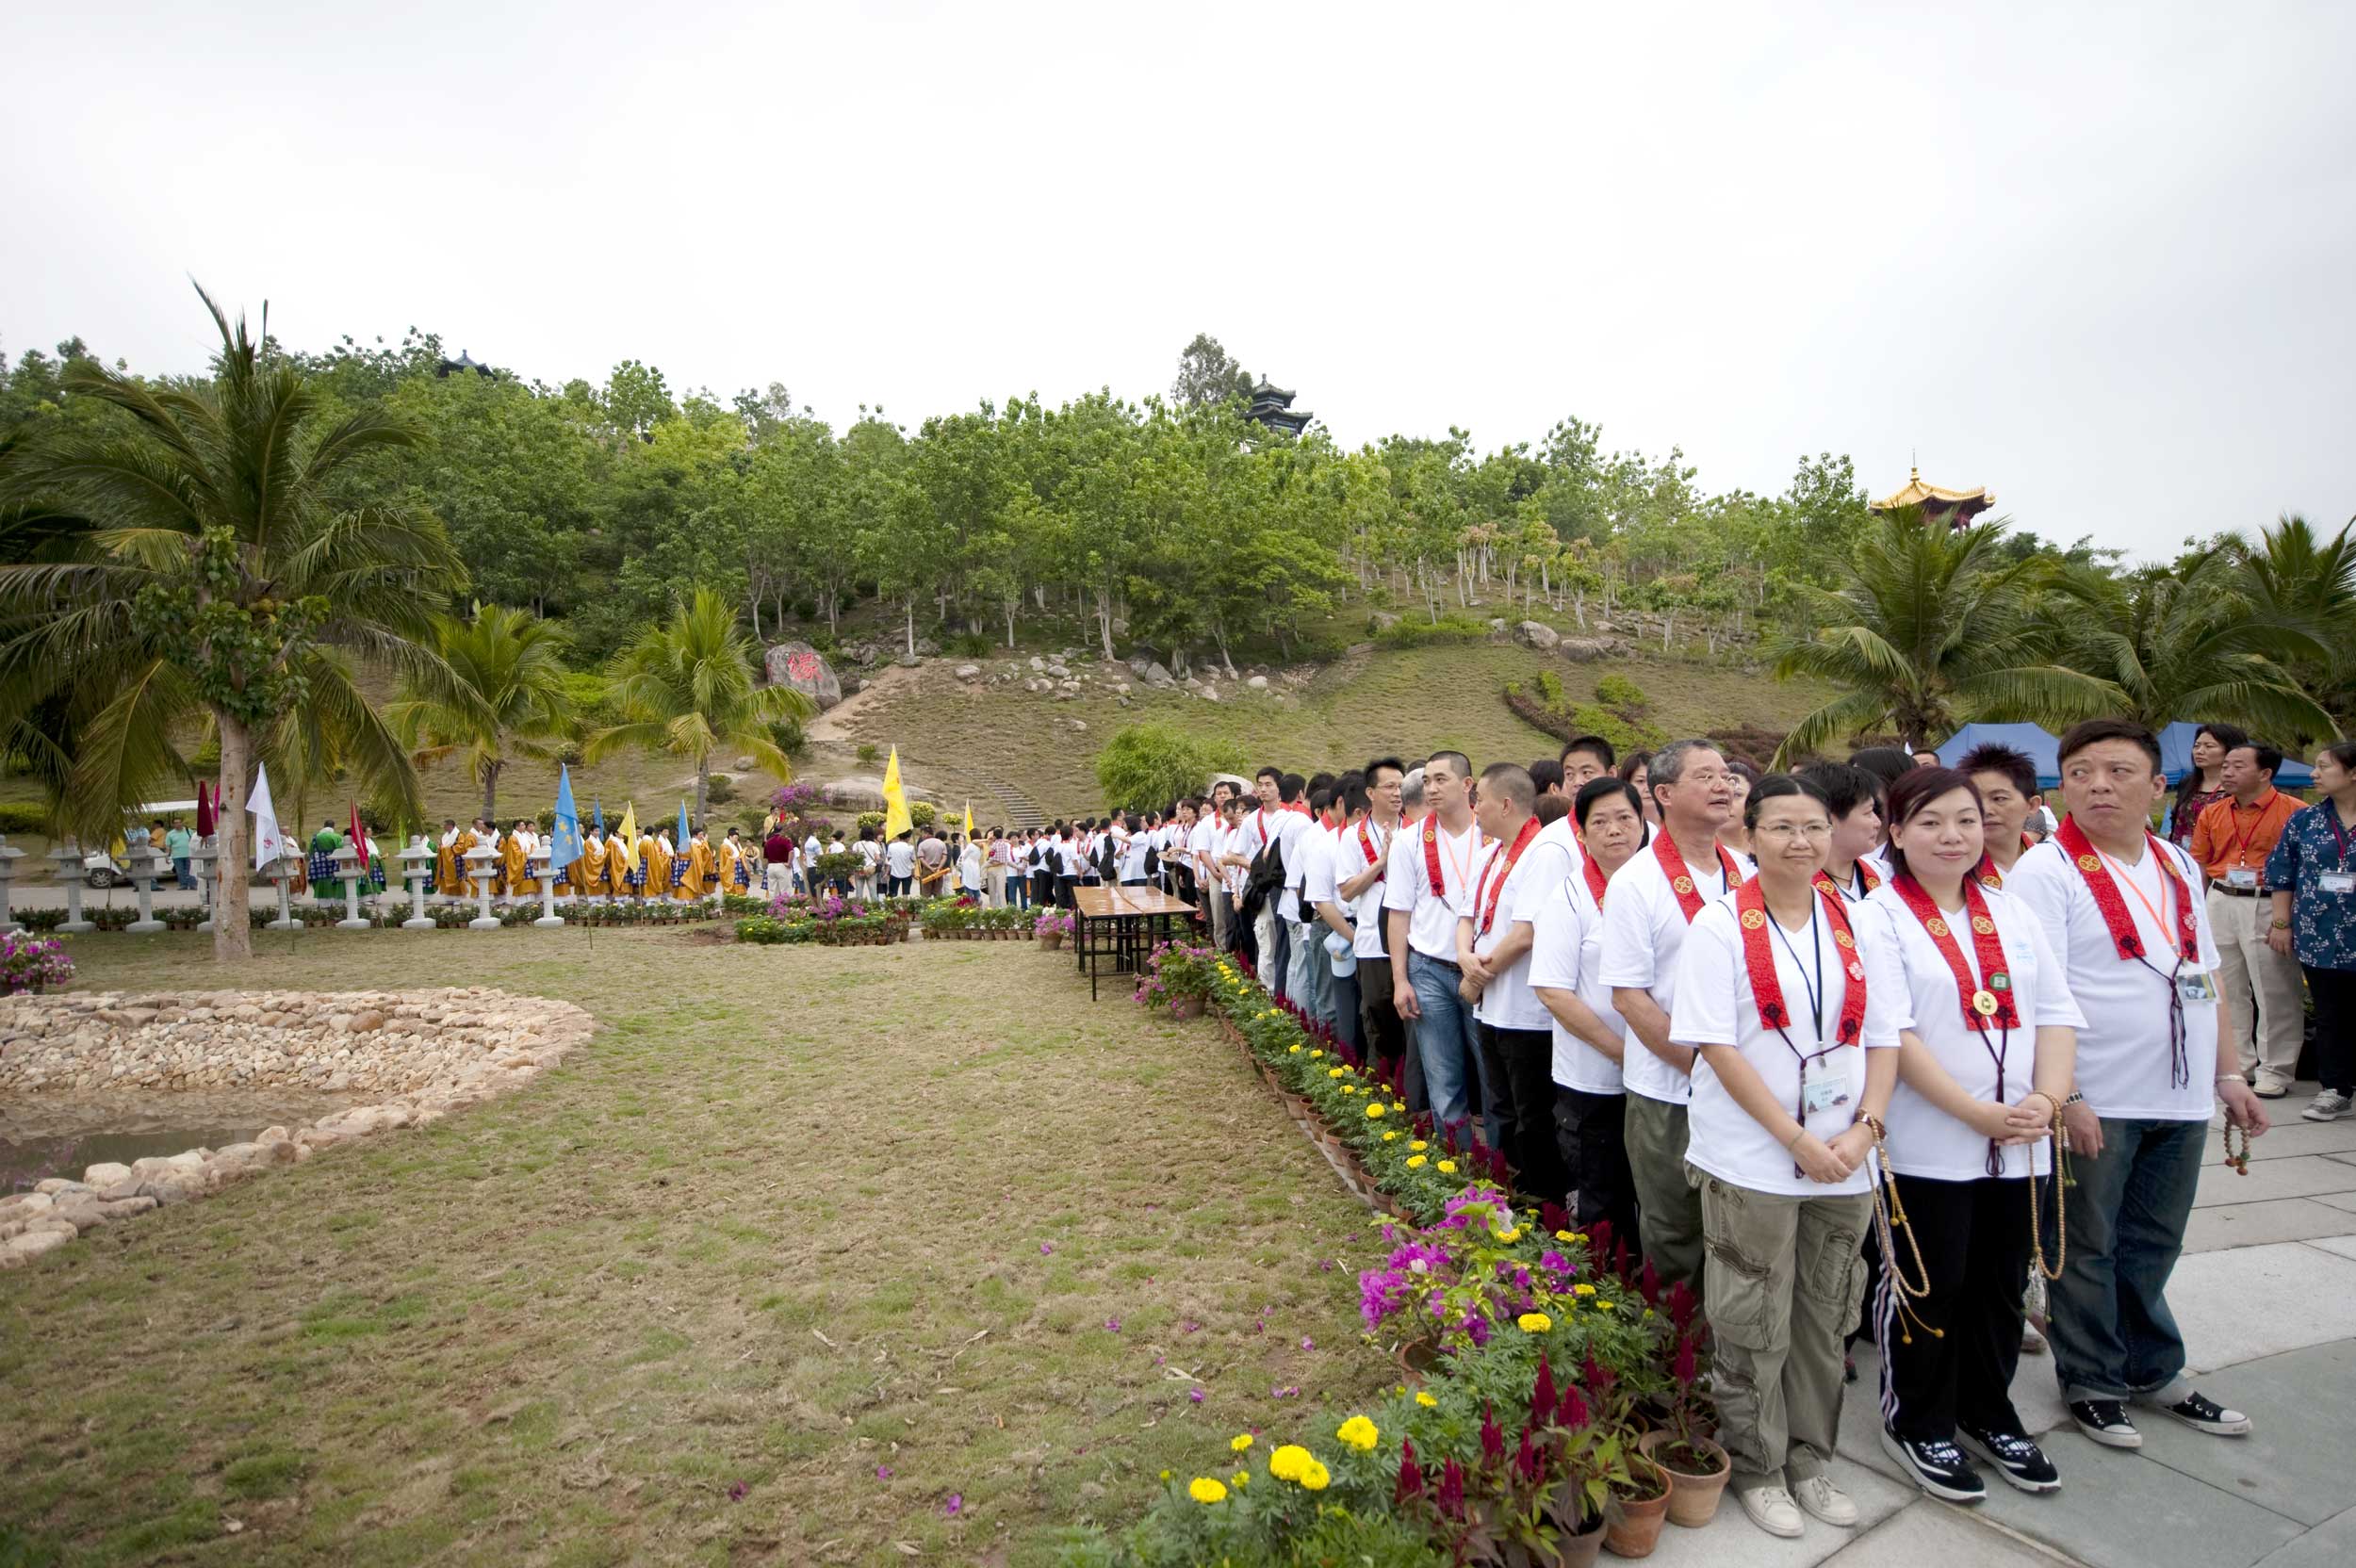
[848,1227]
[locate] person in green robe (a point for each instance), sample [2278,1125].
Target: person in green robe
[326,885]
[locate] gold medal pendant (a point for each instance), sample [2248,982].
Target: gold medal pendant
[1984,1004]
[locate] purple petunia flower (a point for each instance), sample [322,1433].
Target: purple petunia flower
[955,1506]
[736,1492]
[883,1471]
[1195,1396]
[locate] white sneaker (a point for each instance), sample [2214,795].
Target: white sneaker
[1772,1509]
[1826,1501]
[2327,1105]
[2269,1085]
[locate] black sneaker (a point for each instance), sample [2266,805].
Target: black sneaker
[1937,1467]
[2202,1415]
[2021,1462]
[2105,1421]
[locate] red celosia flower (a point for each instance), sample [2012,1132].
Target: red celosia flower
[1451,1494]
[1682,1367]
[1542,1396]
[1526,1459]
[1410,1476]
[1570,1410]
[1648,1283]
[1492,1436]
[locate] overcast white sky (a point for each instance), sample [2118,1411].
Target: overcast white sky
[2099,258]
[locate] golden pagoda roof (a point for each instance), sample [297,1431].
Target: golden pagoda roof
[1919,494]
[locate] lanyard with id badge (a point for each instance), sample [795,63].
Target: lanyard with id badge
[1824,1089]
[2341,881]
[2189,981]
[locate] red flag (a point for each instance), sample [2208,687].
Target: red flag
[359,840]
[206,812]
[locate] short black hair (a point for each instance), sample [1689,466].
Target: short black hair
[1354,798]
[1602,749]
[1583,804]
[1380,763]
[1545,773]
[2094,731]
[1993,756]
[1288,787]
[1780,786]
[1550,810]
[1844,786]
[1320,797]
[1321,780]
[1634,760]
[2270,758]
[1510,781]
[1887,763]
[1456,759]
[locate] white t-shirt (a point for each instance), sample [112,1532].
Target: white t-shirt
[1202,844]
[901,856]
[1132,855]
[1507,1002]
[1563,830]
[811,848]
[1923,1139]
[1431,920]
[1566,955]
[2124,1064]
[1295,826]
[1715,1007]
[1644,932]
[1350,858]
[969,866]
[1317,879]
[870,852]
[1070,857]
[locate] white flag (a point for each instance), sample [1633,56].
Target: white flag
[269,843]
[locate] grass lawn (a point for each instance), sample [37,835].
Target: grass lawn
[850,1227]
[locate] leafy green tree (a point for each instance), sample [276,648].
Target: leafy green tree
[512,665]
[1207,375]
[204,567]
[1927,629]
[686,687]
[1146,766]
[2296,574]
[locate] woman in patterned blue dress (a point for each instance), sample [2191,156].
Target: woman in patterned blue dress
[2312,874]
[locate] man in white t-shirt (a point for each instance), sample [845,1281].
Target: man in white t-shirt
[1521,869]
[900,861]
[1361,857]
[2123,911]
[1299,819]
[812,849]
[1426,889]
[1336,922]
[1651,901]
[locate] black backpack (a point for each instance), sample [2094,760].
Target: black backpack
[1266,879]
[1109,858]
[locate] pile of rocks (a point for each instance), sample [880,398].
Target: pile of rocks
[429,1053]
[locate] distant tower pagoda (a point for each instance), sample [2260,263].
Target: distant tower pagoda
[1273,406]
[460,366]
[1954,509]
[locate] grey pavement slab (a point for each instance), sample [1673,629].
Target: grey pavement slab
[2341,1245]
[1928,1534]
[2118,1509]
[2295,1459]
[2327,1546]
[2300,1176]
[2252,1301]
[1730,1537]
[2292,1135]
[2337,1200]
[2224,1225]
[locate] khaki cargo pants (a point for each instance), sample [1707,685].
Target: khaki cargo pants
[1782,1280]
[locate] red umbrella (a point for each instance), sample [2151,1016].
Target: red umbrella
[359,840]
[207,810]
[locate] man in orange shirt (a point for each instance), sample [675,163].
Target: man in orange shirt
[2231,839]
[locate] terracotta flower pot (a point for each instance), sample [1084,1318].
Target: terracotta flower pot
[1186,1007]
[1416,1358]
[1632,1525]
[1694,1494]
[1582,1549]
[1051,941]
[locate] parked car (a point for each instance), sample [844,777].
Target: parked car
[104,869]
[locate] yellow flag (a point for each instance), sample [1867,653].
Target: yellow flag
[969,818]
[629,835]
[896,818]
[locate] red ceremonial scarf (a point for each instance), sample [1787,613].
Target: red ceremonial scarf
[1826,884]
[2001,1010]
[1501,862]
[2122,925]
[1366,842]
[1432,855]
[1595,878]
[1758,958]
[1985,874]
[1680,883]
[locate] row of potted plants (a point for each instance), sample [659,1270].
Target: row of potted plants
[31,963]
[962,919]
[1552,1399]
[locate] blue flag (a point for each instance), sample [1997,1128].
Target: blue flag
[565,839]
[681,840]
[598,808]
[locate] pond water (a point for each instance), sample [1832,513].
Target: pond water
[63,1135]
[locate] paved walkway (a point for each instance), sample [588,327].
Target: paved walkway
[2266,1298]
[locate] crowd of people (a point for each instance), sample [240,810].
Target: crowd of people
[1816,1036]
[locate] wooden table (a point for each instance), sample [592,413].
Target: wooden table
[1123,922]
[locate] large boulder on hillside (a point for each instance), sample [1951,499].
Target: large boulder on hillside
[1537,634]
[806,670]
[1158,676]
[1586,650]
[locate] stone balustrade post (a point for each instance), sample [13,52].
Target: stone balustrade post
[71,873]
[481,866]
[416,868]
[347,866]
[9,856]
[282,872]
[542,863]
[145,861]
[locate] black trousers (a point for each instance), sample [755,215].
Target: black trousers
[1591,1138]
[1974,1238]
[1063,890]
[1520,1068]
[2334,993]
[1379,1024]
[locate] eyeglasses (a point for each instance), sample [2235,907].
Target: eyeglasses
[1794,830]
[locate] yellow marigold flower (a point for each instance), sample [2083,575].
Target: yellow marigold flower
[1426,1401]
[1415,1162]
[1562,1236]
[1316,1055]
[1511,1233]
[1204,1489]
[1315,1478]
[1448,1167]
[1332,1073]
[1296,1051]
[1349,1088]
[1533,1322]
[1419,1146]
[1165,1475]
[1240,1443]
[1240,1477]
[1391,1137]
[1603,1306]
[1399,1104]
[1375,1111]
[1582,1290]
[1359,1434]
[1288,1462]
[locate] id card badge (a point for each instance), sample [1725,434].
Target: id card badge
[2196,985]
[2341,882]
[2241,876]
[1826,1092]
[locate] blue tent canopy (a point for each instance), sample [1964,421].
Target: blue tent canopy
[2043,748]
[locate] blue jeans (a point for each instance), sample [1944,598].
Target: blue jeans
[1343,990]
[180,874]
[2112,1333]
[1446,1038]
[1306,960]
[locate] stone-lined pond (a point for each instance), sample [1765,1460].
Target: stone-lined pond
[63,1135]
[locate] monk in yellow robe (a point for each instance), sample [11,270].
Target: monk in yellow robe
[588,873]
[654,854]
[516,862]
[449,873]
[727,854]
[695,879]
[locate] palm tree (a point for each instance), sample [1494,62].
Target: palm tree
[686,687]
[2186,644]
[1929,628]
[202,571]
[2294,573]
[513,662]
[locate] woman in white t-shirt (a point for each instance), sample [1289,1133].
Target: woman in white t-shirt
[1986,1065]
[1566,972]
[1794,1011]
